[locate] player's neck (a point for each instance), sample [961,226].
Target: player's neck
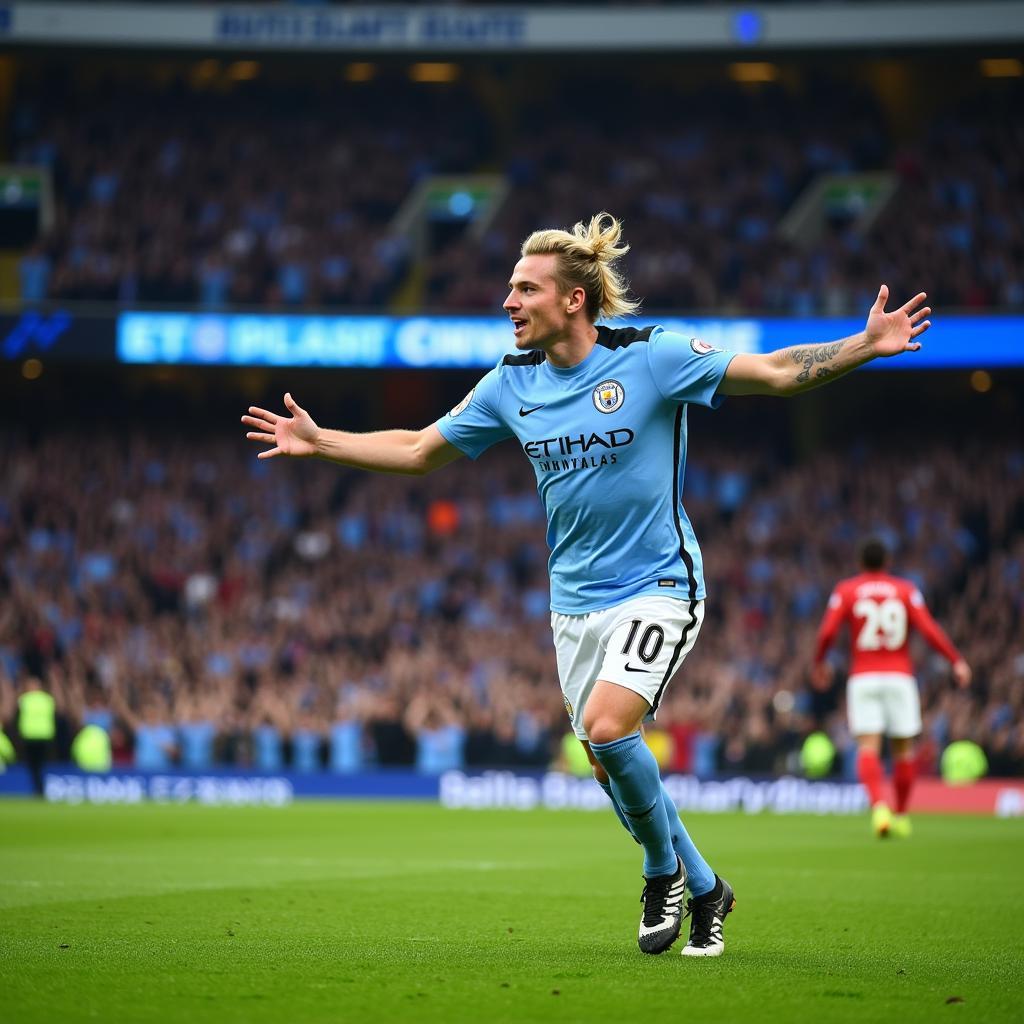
[571,348]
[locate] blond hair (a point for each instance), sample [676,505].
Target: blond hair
[586,259]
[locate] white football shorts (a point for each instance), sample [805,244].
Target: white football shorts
[885,703]
[638,644]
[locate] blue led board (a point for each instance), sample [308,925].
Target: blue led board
[241,339]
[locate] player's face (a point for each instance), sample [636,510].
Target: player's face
[534,304]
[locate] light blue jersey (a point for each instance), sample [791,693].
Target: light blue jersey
[607,439]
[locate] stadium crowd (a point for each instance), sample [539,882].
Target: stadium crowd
[272,199]
[704,203]
[286,197]
[207,608]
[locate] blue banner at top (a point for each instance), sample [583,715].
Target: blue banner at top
[464,342]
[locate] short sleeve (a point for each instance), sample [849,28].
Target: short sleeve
[475,423]
[687,369]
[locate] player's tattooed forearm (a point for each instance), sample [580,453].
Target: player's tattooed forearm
[826,353]
[807,357]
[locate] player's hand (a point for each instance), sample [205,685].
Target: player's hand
[962,673]
[296,435]
[889,334]
[821,676]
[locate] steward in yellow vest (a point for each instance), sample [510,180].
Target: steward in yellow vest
[37,725]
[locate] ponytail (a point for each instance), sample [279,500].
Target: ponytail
[586,259]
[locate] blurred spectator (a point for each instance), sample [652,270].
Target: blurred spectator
[439,731]
[37,727]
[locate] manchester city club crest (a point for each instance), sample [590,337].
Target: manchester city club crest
[608,396]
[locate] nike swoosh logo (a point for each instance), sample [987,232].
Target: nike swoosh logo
[629,668]
[526,412]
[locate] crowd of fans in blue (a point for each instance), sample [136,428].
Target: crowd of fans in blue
[285,197]
[207,608]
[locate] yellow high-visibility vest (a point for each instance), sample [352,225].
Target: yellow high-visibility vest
[37,716]
[7,755]
[91,749]
[963,762]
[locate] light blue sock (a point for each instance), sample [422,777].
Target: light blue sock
[606,786]
[636,786]
[700,878]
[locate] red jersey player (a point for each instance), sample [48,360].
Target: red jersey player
[881,692]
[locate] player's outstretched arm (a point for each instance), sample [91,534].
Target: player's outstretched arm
[788,371]
[413,452]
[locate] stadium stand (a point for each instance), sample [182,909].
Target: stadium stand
[285,195]
[210,608]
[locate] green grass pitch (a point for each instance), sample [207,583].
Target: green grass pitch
[393,912]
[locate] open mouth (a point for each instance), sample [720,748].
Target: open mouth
[518,326]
